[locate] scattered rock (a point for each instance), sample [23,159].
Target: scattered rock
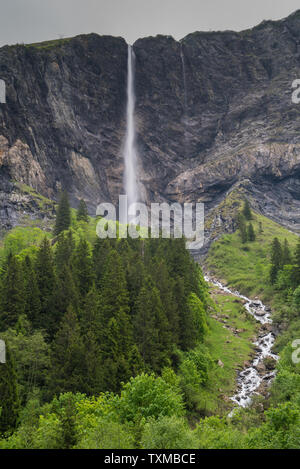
[270,363]
[260,313]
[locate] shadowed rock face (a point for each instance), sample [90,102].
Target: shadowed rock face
[213,112]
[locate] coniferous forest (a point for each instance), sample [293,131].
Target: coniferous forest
[116,343]
[86,319]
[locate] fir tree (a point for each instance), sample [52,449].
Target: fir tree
[101,249]
[83,268]
[82,213]
[66,293]
[198,318]
[68,422]
[64,250]
[251,234]
[12,293]
[151,327]
[166,287]
[47,284]
[276,259]
[116,350]
[31,292]
[114,293]
[242,228]
[91,323]
[286,254]
[63,214]
[9,403]
[68,366]
[297,264]
[247,210]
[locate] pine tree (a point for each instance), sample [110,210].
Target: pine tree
[91,323]
[276,259]
[101,249]
[94,382]
[135,277]
[64,249]
[9,398]
[247,210]
[63,214]
[151,328]
[82,213]
[31,292]
[114,293]
[12,293]
[166,287]
[68,422]
[297,264]
[68,366]
[286,254]
[47,284]
[83,268]
[198,317]
[242,228]
[251,234]
[66,293]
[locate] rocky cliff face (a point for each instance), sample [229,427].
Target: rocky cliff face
[214,113]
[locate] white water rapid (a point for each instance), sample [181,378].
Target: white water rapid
[249,379]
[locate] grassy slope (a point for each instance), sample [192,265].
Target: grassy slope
[246,266]
[233,349]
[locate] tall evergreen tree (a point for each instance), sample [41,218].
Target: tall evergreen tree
[91,323]
[47,287]
[251,233]
[242,228]
[101,249]
[83,268]
[82,212]
[276,259]
[63,214]
[114,293]
[64,249]
[166,287]
[198,319]
[9,398]
[151,328]
[286,254]
[68,365]
[247,210]
[31,292]
[66,293]
[297,264]
[12,293]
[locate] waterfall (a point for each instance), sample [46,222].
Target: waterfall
[130,152]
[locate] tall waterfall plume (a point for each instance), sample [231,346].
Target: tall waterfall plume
[130,152]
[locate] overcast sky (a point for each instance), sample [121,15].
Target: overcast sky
[39,20]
